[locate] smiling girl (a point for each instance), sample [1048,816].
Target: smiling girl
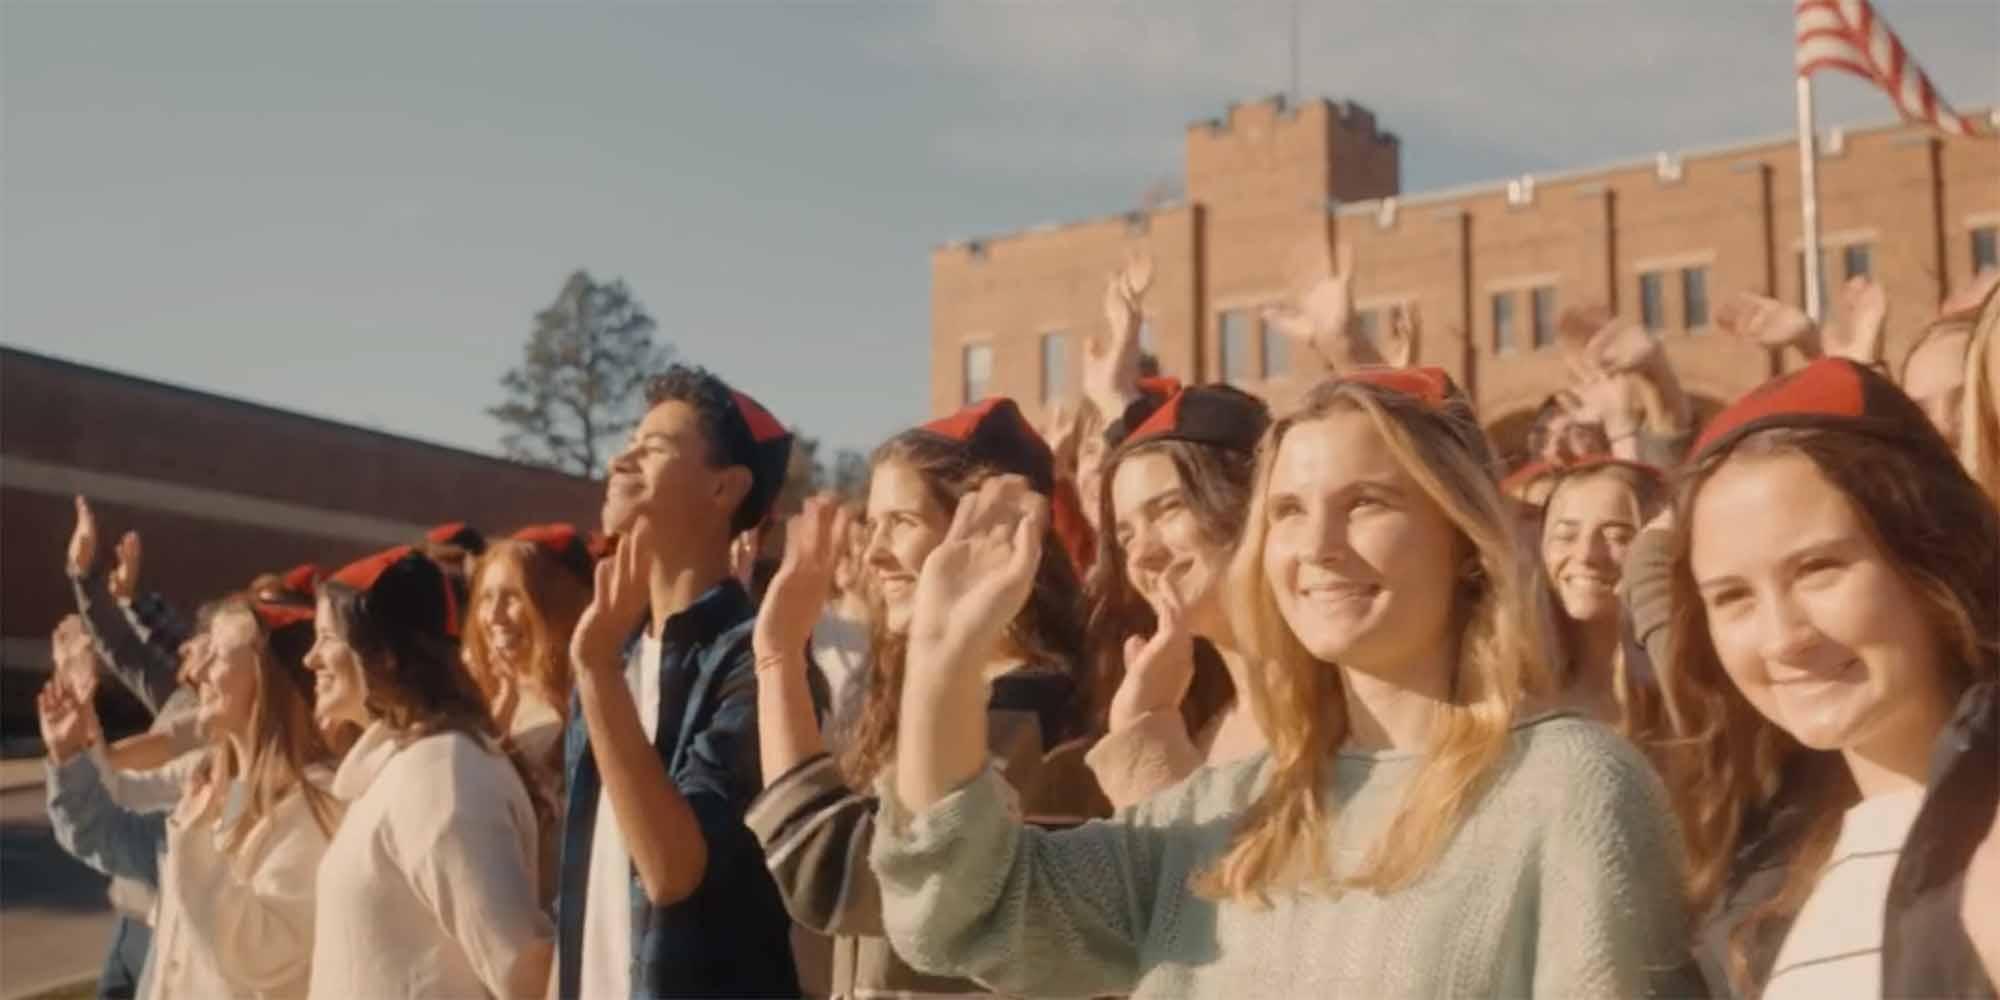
[1410,831]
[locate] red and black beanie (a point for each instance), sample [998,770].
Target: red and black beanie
[288,628]
[405,590]
[1154,391]
[994,432]
[458,535]
[1219,416]
[576,551]
[1831,393]
[757,441]
[1429,384]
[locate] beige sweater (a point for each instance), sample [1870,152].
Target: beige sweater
[1563,882]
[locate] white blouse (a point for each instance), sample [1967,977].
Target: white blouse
[429,887]
[237,924]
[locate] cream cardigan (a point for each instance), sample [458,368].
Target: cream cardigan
[428,889]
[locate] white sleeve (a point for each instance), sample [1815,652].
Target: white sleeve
[253,914]
[154,790]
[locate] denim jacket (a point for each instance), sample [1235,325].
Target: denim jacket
[731,936]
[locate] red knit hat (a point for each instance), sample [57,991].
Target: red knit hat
[1429,384]
[1154,391]
[769,452]
[1220,416]
[1518,483]
[576,550]
[993,432]
[404,587]
[1830,392]
[459,535]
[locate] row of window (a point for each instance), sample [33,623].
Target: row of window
[1238,327]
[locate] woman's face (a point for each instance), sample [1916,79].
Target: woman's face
[1164,546]
[340,689]
[904,525]
[226,676]
[1808,615]
[1589,526]
[502,608]
[1362,563]
[1935,377]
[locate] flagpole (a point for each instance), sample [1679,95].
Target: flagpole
[1809,198]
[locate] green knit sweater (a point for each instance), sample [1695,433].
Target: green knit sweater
[1563,882]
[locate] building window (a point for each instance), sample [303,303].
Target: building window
[1652,300]
[1694,297]
[1235,328]
[978,364]
[1854,260]
[1542,314]
[1274,351]
[1368,326]
[1503,322]
[1985,249]
[1055,366]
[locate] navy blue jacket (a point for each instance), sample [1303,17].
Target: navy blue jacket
[732,935]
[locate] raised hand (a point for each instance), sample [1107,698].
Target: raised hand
[82,553]
[66,731]
[1159,669]
[977,579]
[1621,346]
[1111,361]
[1321,317]
[1864,311]
[815,542]
[1965,303]
[619,600]
[75,660]
[1612,402]
[124,579]
[1404,339]
[1769,322]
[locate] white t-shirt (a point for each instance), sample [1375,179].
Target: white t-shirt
[1835,946]
[607,908]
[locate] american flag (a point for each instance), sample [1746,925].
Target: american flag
[1848,35]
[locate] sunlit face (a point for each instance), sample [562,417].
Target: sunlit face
[1935,378]
[1157,530]
[1361,561]
[501,607]
[1090,475]
[1808,615]
[904,525]
[340,689]
[665,473]
[226,675]
[1589,527]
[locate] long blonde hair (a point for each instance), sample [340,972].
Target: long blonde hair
[1280,842]
[1979,434]
[284,744]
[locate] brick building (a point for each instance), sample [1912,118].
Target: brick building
[219,490]
[1490,265]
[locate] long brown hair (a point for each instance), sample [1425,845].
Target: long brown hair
[1216,483]
[1299,699]
[416,682]
[1047,633]
[284,744]
[1637,697]
[552,599]
[1737,779]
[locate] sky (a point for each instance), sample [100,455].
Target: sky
[355,209]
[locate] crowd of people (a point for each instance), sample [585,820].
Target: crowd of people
[1175,694]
